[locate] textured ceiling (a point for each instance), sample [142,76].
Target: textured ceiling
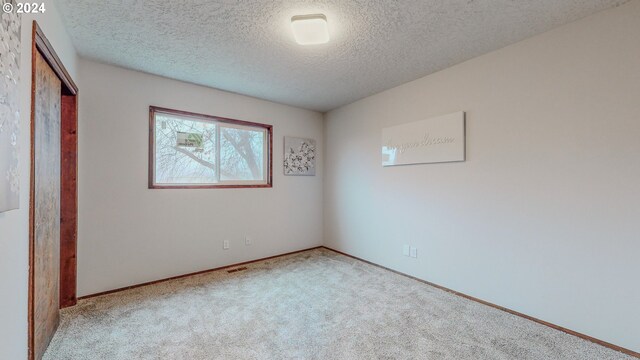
[246,46]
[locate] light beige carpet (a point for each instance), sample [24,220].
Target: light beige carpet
[312,305]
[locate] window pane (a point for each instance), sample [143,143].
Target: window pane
[241,154]
[185,150]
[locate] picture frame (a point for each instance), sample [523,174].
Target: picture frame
[10,32]
[299,156]
[434,140]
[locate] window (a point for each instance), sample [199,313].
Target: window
[201,151]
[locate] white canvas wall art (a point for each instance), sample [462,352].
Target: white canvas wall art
[9,111]
[299,156]
[434,140]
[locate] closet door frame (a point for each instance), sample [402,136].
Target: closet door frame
[68,179]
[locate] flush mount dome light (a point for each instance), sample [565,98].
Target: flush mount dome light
[310,29]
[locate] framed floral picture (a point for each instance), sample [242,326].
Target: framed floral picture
[9,110]
[299,156]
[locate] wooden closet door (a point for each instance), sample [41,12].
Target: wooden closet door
[46,205]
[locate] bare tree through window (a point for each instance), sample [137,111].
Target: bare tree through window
[189,150]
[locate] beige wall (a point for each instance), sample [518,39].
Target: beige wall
[14,230]
[543,216]
[129,234]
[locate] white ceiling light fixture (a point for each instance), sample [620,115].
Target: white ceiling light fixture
[310,29]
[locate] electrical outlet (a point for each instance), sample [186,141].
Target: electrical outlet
[405,250]
[225,245]
[248,240]
[413,252]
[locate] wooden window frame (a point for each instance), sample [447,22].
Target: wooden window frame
[153,110]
